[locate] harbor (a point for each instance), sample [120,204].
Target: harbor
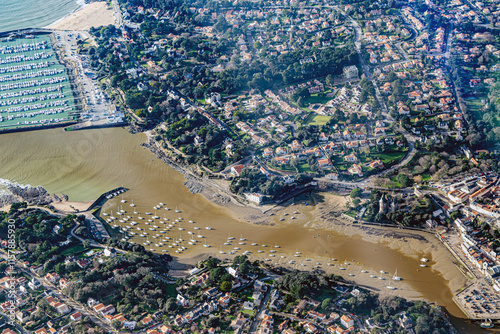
[34,88]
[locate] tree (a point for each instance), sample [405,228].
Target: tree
[226,286]
[116,324]
[326,303]
[356,192]
[86,243]
[404,180]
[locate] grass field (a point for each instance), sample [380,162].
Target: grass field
[317,120]
[314,98]
[388,158]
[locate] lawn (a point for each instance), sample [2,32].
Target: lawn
[390,157]
[317,120]
[76,249]
[171,290]
[314,98]
[250,313]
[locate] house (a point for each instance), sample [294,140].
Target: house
[52,278]
[61,308]
[130,325]
[76,316]
[351,158]
[346,321]
[325,163]
[376,164]
[147,320]
[255,197]
[236,170]
[110,252]
[22,316]
[350,72]
[355,169]
[182,300]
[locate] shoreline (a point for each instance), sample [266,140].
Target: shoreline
[95,14]
[81,4]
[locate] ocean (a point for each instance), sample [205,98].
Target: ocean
[20,14]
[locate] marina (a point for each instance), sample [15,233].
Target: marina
[34,88]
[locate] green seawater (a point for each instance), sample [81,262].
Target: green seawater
[20,14]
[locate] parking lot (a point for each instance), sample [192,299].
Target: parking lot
[480,301]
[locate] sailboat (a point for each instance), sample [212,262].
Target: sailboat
[396,277]
[487,323]
[389,286]
[132,203]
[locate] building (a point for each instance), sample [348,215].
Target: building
[350,72]
[236,170]
[346,321]
[111,252]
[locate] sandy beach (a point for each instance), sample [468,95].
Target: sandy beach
[95,14]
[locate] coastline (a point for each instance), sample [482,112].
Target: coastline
[95,14]
[81,4]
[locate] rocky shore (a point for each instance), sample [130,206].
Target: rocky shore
[26,193]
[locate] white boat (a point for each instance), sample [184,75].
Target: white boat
[373,276]
[390,287]
[241,243]
[205,245]
[200,236]
[254,244]
[396,277]
[424,259]
[196,228]
[423,265]
[105,214]
[341,268]
[227,243]
[208,228]
[383,272]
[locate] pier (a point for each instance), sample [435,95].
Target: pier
[107,195]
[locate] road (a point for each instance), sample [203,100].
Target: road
[258,315]
[117,13]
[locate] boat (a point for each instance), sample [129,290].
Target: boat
[373,276]
[200,236]
[105,214]
[424,259]
[390,287]
[423,265]
[254,244]
[364,271]
[383,272]
[206,245]
[208,228]
[241,243]
[487,323]
[162,204]
[227,243]
[341,268]
[396,277]
[132,204]
[381,278]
